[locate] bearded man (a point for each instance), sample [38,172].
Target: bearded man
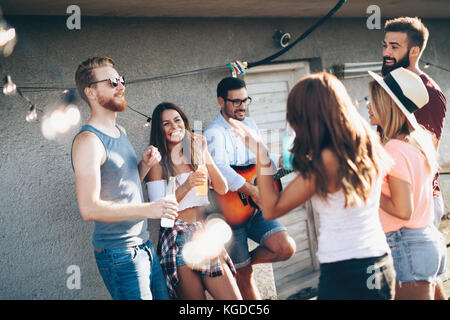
[404,42]
[109,190]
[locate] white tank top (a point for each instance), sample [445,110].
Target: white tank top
[352,232]
[190,200]
[157,190]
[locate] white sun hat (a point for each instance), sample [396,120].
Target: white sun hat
[406,89]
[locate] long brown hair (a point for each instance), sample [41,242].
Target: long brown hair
[322,114]
[157,139]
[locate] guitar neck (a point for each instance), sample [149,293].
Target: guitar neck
[281,173]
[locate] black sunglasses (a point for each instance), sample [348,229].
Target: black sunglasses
[113,81]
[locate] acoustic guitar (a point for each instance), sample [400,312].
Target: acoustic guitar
[237,207]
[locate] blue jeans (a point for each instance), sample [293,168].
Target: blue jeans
[132,273]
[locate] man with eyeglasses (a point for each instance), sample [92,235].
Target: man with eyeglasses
[109,191]
[227,150]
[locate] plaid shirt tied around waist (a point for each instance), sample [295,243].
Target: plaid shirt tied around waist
[168,250]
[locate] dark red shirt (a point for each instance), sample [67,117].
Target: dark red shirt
[432,115]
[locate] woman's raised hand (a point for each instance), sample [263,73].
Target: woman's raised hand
[251,139]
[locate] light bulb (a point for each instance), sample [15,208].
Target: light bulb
[9,88]
[59,121]
[47,129]
[7,35]
[32,114]
[72,114]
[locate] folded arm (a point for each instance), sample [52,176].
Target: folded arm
[400,205]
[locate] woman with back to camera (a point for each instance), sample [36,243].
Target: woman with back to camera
[406,205]
[185,157]
[340,164]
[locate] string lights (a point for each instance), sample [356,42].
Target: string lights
[63,118]
[58,121]
[32,114]
[9,87]
[8,37]
[68,114]
[429,64]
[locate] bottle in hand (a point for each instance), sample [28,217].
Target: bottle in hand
[203,189]
[287,144]
[170,195]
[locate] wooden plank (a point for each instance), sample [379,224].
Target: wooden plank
[293,217]
[299,237]
[313,233]
[292,273]
[301,244]
[264,87]
[268,98]
[301,281]
[298,257]
[271,125]
[269,117]
[264,109]
[285,276]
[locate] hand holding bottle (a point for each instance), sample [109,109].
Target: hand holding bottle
[168,218]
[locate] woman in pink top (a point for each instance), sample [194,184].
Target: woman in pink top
[406,203]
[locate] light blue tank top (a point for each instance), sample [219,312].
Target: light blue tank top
[120,183]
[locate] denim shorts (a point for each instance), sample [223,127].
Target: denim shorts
[358,279]
[256,228]
[180,241]
[132,273]
[419,254]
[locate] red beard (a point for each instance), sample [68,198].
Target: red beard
[112,104]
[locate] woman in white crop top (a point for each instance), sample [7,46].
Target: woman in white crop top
[182,155]
[338,159]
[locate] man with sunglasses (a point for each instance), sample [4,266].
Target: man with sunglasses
[109,191]
[275,244]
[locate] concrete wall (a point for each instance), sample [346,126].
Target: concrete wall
[41,230]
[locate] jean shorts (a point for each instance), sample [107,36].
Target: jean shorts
[181,240]
[419,254]
[256,228]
